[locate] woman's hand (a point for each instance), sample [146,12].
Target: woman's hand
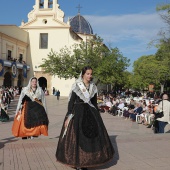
[19,112]
[66,123]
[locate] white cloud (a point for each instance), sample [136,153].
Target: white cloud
[127,29]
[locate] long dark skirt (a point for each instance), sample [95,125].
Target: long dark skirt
[4,116]
[86,143]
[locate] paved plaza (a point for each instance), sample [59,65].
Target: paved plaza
[136,146]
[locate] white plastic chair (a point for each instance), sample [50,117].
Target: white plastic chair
[137,117]
[120,112]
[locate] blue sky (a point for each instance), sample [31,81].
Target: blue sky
[127,24]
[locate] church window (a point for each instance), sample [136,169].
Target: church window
[43,40]
[41,4]
[50,4]
[9,54]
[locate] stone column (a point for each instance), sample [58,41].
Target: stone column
[45,4]
[54,5]
[15,81]
[37,4]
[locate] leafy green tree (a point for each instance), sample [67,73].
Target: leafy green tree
[127,79]
[112,68]
[68,62]
[108,64]
[163,43]
[148,69]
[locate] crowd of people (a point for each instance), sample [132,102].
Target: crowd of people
[143,110]
[6,96]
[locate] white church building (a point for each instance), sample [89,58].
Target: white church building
[23,48]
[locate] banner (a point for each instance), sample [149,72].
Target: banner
[24,71]
[1,67]
[14,69]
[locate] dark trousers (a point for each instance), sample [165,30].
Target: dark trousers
[162,126]
[133,116]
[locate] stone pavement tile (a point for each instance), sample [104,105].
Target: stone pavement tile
[32,154]
[137,165]
[166,160]
[155,163]
[162,168]
[159,148]
[137,150]
[1,156]
[20,157]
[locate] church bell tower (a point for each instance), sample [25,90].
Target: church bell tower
[46,8]
[46,3]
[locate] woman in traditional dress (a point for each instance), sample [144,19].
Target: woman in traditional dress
[31,112]
[4,117]
[84,141]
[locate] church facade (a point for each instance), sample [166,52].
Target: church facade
[44,30]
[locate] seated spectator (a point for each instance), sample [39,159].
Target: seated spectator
[138,110]
[144,115]
[114,103]
[132,104]
[99,101]
[121,105]
[152,115]
[126,111]
[164,106]
[106,106]
[113,110]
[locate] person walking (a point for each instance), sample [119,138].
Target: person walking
[53,90]
[84,141]
[164,106]
[31,112]
[58,95]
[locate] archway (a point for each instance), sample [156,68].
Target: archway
[42,82]
[19,83]
[7,79]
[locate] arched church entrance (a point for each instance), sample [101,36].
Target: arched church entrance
[7,79]
[19,82]
[42,82]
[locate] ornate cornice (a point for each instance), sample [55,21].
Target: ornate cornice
[13,40]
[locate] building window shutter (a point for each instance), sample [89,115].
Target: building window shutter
[43,40]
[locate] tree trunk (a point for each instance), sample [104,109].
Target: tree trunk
[162,88]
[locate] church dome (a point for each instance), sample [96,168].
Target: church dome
[80,25]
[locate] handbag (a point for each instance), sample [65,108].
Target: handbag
[160,114]
[16,124]
[155,127]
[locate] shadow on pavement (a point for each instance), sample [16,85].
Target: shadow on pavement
[115,158]
[7,140]
[54,137]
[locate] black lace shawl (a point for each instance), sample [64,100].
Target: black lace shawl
[35,114]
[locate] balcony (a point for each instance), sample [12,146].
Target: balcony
[8,63]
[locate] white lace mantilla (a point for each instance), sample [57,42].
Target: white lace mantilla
[39,94]
[92,91]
